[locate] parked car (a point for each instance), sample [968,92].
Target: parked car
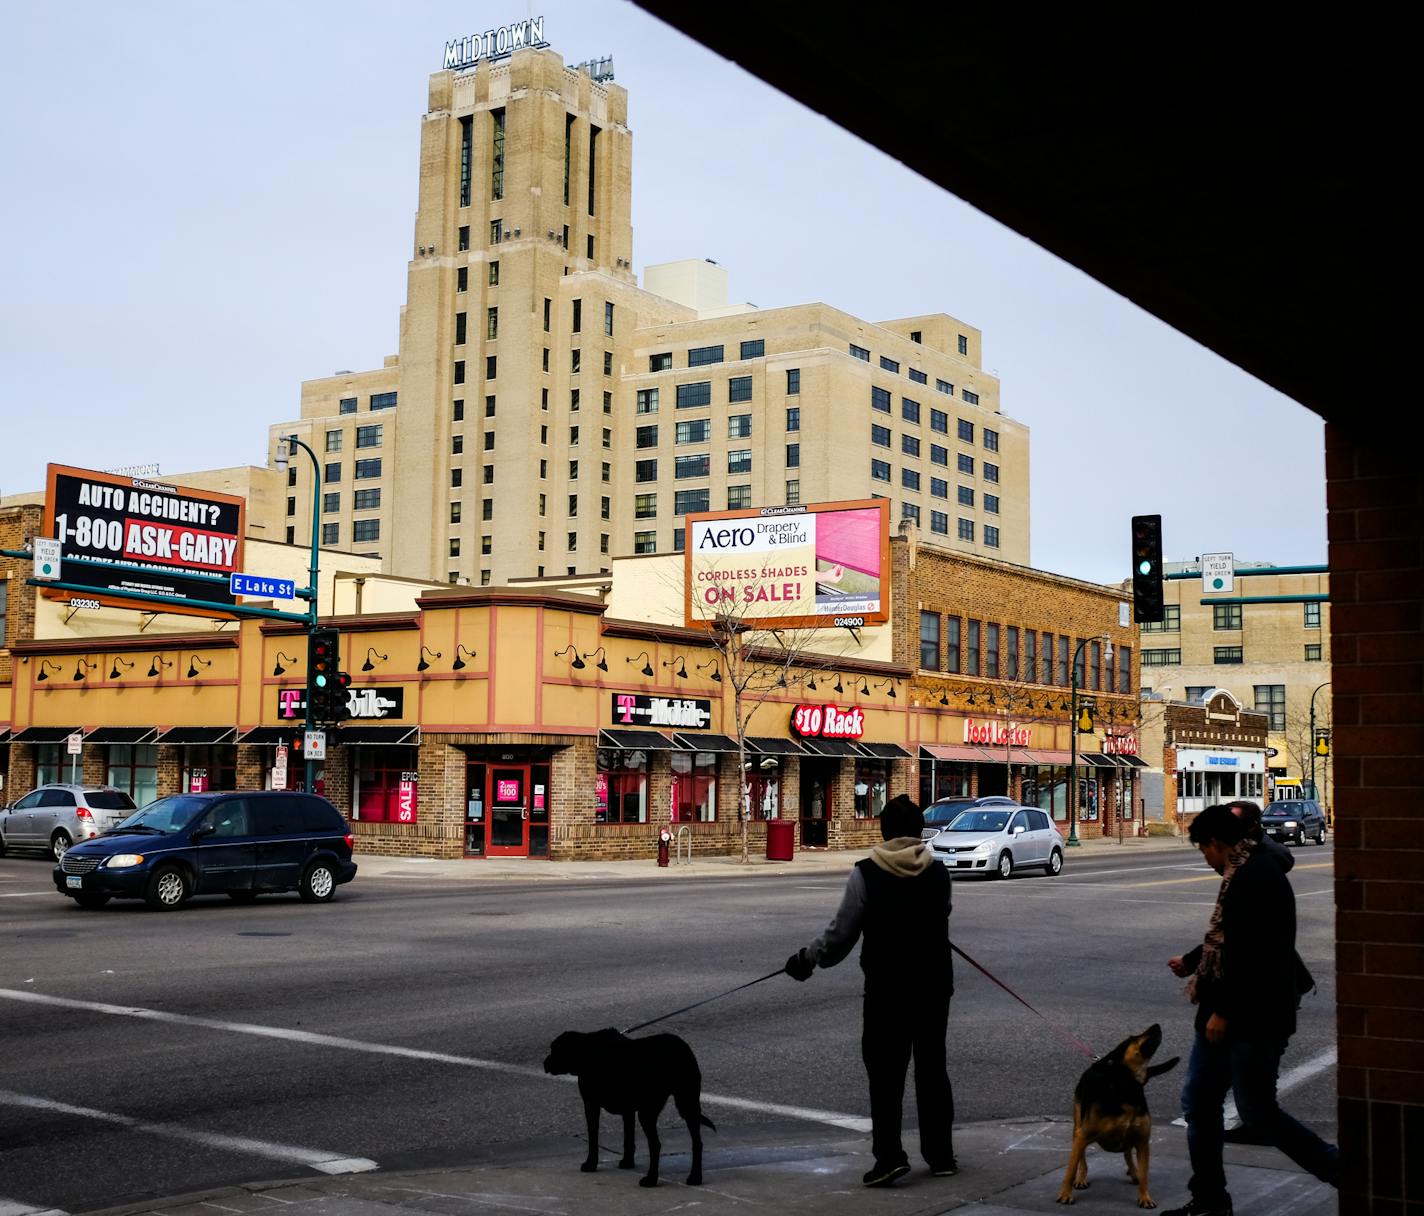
[939,814]
[1296,819]
[998,840]
[237,844]
[53,817]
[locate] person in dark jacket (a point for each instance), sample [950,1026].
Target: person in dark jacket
[898,899]
[1244,984]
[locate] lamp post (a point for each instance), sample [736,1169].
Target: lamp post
[1073,842]
[1313,792]
[308,593]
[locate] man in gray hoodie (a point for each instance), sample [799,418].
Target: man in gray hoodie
[898,898]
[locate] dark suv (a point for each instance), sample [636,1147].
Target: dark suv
[1296,819]
[236,844]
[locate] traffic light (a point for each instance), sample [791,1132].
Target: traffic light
[323,657]
[1147,568]
[339,707]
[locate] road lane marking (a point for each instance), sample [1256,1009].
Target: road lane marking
[1296,1077]
[831,1118]
[19,895]
[327,1163]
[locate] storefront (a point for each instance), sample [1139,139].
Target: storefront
[1212,752]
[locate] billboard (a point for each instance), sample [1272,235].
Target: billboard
[824,565]
[160,533]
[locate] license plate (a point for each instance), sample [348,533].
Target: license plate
[73,880]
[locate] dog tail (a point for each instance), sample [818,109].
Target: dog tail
[701,1118]
[1166,1066]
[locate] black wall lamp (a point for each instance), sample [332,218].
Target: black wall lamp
[83,668]
[157,664]
[576,663]
[680,662]
[459,663]
[114,672]
[602,663]
[943,698]
[193,662]
[839,686]
[44,675]
[891,684]
[647,662]
[423,665]
[277,668]
[716,676]
[811,683]
[368,665]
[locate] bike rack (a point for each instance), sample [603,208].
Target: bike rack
[682,832]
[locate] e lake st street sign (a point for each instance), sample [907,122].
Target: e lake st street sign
[260,585]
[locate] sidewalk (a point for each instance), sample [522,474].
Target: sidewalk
[1007,1167]
[813,861]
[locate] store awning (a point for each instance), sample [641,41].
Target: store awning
[764,745]
[636,740]
[122,734]
[721,744]
[4,734]
[1094,760]
[953,751]
[830,747]
[379,736]
[1041,756]
[198,736]
[1131,761]
[884,751]
[46,734]
[269,736]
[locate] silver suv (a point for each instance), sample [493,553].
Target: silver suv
[53,817]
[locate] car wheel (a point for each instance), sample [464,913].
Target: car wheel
[91,901]
[167,889]
[1006,864]
[2,846]
[1320,835]
[318,884]
[59,844]
[1055,863]
[1299,837]
[242,897]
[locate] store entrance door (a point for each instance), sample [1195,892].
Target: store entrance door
[817,780]
[509,797]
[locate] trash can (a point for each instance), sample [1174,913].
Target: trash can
[780,839]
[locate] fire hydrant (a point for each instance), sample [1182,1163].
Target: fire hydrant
[664,840]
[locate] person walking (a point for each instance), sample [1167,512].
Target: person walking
[1243,980]
[898,900]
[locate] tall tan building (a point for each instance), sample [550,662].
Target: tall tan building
[546,413]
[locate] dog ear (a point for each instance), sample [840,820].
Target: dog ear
[1165,1066]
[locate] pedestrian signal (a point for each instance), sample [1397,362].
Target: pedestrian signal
[1147,604]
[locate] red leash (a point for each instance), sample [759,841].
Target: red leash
[1066,1035]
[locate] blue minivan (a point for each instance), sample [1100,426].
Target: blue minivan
[236,844]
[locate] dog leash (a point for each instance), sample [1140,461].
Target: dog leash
[697,1004]
[1066,1035]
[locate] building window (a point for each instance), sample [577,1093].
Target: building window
[459,371]
[645,470]
[608,363]
[462,279]
[971,649]
[793,381]
[291,475]
[457,477]
[971,398]
[608,317]
[699,392]
[1312,652]
[1312,616]
[879,435]
[991,472]
[331,474]
[966,529]
[575,361]
[491,323]
[689,501]
[646,436]
[697,430]
[939,488]
[573,504]
[1226,654]
[455,509]
[739,461]
[134,770]
[918,377]
[496,231]
[909,410]
[660,363]
[368,468]
[467,132]
[966,431]
[793,418]
[908,511]
[963,345]
[605,508]
[365,530]
[330,534]
[859,352]
[966,496]
[573,436]
[793,458]
[701,356]
[457,411]
[991,536]
[486,546]
[491,367]
[645,542]
[879,470]
[939,455]
[347,405]
[645,506]
[329,503]
[647,401]
[487,472]
[738,497]
[608,403]
[879,399]
[944,386]
[489,441]
[487,507]
[909,445]
[1124,669]
[573,543]
[464,238]
[1271,700]
[939,421]
[966,464]
[793,493]
[1171,621]
[1226,616]
[333,442]
[939,522]
[991,650]
[739,388]
[460,332]
[753,349]
[888,365]
[494,274]
[909,479]
[951,643]
[1030,668]
[454,547]
[692,466]
[368,436]
[489,407]
[991,440]
[367,500]
[929,640]
[739,426]
[1047,654]
[991,503]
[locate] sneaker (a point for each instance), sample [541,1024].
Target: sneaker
[1197,1207]
[947,1170]
[884,1175]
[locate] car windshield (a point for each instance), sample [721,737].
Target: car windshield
[979,821]
[109,800]
[166,815]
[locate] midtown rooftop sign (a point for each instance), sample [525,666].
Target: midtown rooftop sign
[494,44]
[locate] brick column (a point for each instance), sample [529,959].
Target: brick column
[93,764]
[170,769]
[336,776]
[251,766]
[20,779]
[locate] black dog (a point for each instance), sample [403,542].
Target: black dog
[1110,1109]
[633,1076]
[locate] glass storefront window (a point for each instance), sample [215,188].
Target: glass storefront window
[621,787]
[134,769]
[209,768]
[765,793]
[1047,787]
[385,789]
[872,780]
[694,776]
[50,766]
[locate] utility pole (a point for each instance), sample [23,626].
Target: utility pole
[1073,841]
[1314,742]
[309,592]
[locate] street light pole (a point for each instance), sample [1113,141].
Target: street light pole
[309,592]
[1073,842]
[1313,792]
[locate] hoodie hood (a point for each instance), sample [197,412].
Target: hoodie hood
[903,856]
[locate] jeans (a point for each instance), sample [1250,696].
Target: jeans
[1248,1068]
[897,1025]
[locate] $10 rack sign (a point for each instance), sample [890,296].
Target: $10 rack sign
[828,722]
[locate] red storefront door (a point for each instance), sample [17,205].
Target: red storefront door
[508,802]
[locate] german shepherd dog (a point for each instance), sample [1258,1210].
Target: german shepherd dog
[1110,1109]
[633,1076]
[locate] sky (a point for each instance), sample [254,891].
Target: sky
[208,204]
